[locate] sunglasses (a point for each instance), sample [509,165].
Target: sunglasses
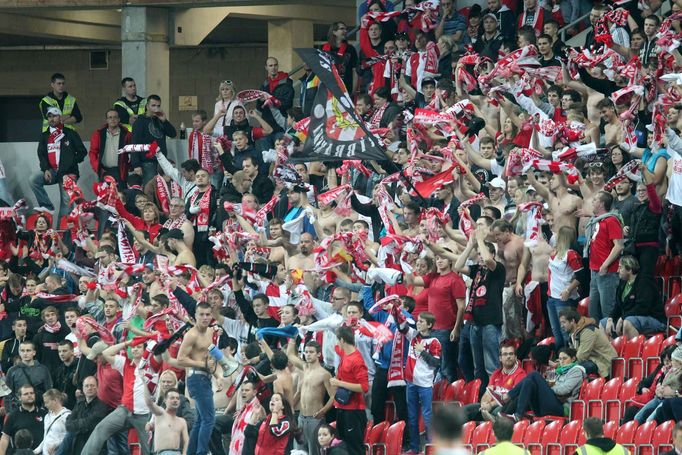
[595,164]
[227,82]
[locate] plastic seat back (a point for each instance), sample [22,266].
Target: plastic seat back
[618,344]
[547,341]
[627,391]
[533,436]
[650,353]
[584,307]
[456,389]
[567,438]
[520,428]
[589,393]
[663,435]
[610,429]
[609,394]
[376,434]
[642,439]
[626,433]
[550,435]
[467,432]
[470,392]
[670,341]
[480,436]
[394,438]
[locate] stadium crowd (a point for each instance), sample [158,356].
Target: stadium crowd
[244,300]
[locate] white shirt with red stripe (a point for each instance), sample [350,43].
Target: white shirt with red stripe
[417,371]
[133,384]
[561,271]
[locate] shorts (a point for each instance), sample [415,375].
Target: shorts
[643,324]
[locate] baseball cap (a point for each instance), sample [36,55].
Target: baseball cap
[54,111]
[97,349]
[497,183]
[491,15]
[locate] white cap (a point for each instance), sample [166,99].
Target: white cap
[54,111]
[497,183]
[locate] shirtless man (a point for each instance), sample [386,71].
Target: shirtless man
[590,188]
[537,258]
[194,355]
[178,220]
[361,231]
[562,204]
[280,248]
[313,386]
[613,129]
[170,431]
[327,220]
[510,251]
[284,380]
[304,260]
[176,242]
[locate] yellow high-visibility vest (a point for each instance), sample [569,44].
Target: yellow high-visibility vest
[69,104]
[140,110]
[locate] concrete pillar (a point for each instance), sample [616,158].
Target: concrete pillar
[145,53]
[286,35]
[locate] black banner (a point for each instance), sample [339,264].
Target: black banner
[335,132]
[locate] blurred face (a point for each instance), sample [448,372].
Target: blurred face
[50,317]
[650,27]
[489,25]
[176,208]
[202,178]
[173,400]
[550,29]
[41,224]
[411,218]
[58,86]
[566,102]
[248,392]
[65,353]
[19,328]
[137,351]
[110,308]
[324,437]
[616,156]
[238,114]
[130,88]
[374,32]
[673,115]
[595,15]
[623,188]
[568,326]
[287,315]
[544,46]
[493,5]
[389,47]
[422,325]
[306,245]
[311,355]
[260,308]
[272,66]
[401,156]
[641,194]
[26,353]
[112,120]
[607,113]
[70,318]
[487,151]
[340,32]
[508,125]
[636,41]
[203,316]
[249,168]
[302,171]
[90,388]
[420,41]
[154,106]
[361,107]
[197,123]
[421,267]
[27,396]
[140,202]
[148,213]
[428,90]
[508,357]
[31,286]
[353,312]
[338,299]
[565,359]
[276,403]
[167,381]
[442,263]
[226,91]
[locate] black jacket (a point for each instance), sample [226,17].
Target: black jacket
[263,188]
[643,300]
[83,419]
[147,130]
[644,224]
[72,153]
[284,92]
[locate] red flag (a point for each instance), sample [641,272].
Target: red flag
[429,186]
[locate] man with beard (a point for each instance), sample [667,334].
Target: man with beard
[201,210]
[153,126]
[305,259]
[64,375]
[171,435]
[314,385]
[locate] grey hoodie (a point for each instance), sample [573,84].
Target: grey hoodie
[37,375]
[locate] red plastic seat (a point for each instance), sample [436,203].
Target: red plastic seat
[643,437]
[638,366]
[547,341]
[584,307]
[627,392]
[469,393]
[439,390]
[568,438]
[589,392]
[618,344]
[550,435]
[663,435]
[610,429]
[674,286]
[626,434]
[389,412]
[533,436]
[376,434]
[520,428]
[468,432]
[394,438]
[609,393]
[633,348]
[673,311]
[480,436]
[670,341]
[455,389]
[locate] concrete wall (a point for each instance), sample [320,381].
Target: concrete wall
[192,72]
[20,160]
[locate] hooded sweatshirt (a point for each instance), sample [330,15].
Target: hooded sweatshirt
[591,343]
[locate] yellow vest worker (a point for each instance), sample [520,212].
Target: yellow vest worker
[596,443]
[67,110]
[121,106]
[505,448]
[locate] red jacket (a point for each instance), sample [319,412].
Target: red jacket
[97,147]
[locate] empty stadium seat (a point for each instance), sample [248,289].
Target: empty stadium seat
[376,436]
[618,344]
[609,393]
[642,437]
[394,438]
[455,389]
[616,409]
[589,391]
[519,431]
[469,393]
[479,437]
[673,311]
[533,437]
[467,432]
[610,429]
[550,435]
[662,437]
[626,434]
[584,307]
[567,439]
[670,341]
[633,348]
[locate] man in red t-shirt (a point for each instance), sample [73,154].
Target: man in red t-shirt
[604,236]
[351,376]
[501,382]
[446,294]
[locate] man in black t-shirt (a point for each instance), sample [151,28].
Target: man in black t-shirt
[28,416]
[484,309]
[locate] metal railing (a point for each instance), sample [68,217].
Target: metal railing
[565,28]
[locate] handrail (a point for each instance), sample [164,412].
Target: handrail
[353,31]
[562,31]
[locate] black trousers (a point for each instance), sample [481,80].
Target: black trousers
[351,425]
[380,393]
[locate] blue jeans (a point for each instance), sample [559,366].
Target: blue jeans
[554,307]
[66,446]
[118,444]
[448,355]
[38,184]
[199,386]
[647,412]
[485,347]
[466,360]
[417,396]
[602,294]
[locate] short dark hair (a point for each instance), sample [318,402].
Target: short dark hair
[654,18]
[507,344]
[447,422]
[57,76]
[502,225]
[527,33]
[365,98]
[161,299]
[314,344]
[153,97]
[23,439]
[264,298]
[346,334]
[191,165]
[73,309]
[416,208]
[204,305]
[296,113]
[593,427]
[201,113]
[279,360]
[251,159]
[172,389]
[66,343]
[408,301]
[606,198]
[568,351]
[555,89]
[383,92]
[446,85]
[503,428]
[495,211]
[428,317]
[545,36]
[125,80]
[570,314]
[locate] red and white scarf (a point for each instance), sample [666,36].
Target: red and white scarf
[125,249]
[533,218]
[200,150]
[630,170]
[57,298]
[162,193]
[202,218]
[83,330]
[54,146]
[375,120]
[54,328]
[175,223]
[240,423]
[466,223]
[555,167]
